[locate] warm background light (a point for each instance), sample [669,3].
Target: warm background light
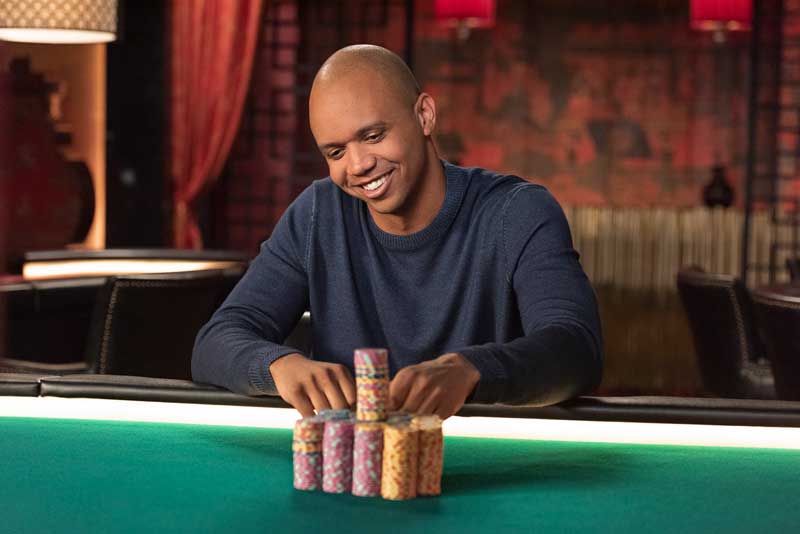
[473,13]
[29,35]
[42,270]
[58,21]
[716,15]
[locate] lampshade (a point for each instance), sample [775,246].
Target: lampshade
[58,21]
[474,13]
[716,15]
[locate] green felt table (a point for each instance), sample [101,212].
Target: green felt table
[83,476]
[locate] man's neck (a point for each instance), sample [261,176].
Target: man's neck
[425,205]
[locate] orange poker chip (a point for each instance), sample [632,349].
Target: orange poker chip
[400,461]
[431,454]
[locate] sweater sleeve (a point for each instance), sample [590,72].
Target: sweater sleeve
[560,354]
[245,335]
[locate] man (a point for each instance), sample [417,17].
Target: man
[469,278]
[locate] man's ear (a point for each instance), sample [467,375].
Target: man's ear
[426,113]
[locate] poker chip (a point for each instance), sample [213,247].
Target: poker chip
[307,453]
[337,456]
[372,383]
[367,459]
[331,415]
[399,417]
[431,454]
[400,461]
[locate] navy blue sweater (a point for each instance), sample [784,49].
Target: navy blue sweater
[494,277]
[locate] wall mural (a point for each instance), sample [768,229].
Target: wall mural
[621,107]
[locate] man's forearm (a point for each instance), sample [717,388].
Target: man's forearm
[550,365]
[235,358]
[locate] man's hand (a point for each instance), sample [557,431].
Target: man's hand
[309,385]
[437,386]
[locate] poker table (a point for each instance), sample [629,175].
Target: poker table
[125,454]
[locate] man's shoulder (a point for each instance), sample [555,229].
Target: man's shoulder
[315,195]
[324,207]
[326,192]
[492,189]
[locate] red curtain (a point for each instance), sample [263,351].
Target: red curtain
[213,45]
[5,164]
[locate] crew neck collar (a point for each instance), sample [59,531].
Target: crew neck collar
[455,181]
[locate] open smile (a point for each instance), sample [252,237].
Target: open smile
[378,186]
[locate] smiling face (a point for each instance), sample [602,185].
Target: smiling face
[376,142]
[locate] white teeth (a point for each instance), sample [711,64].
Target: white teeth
[372,186]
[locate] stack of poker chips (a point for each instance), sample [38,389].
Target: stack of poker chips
[395,456]
[337,451]
[431,454]
[400,460]
[372,384]
[367,459]
[307,452]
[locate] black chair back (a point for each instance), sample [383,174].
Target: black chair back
[145,324]
[793,265]
[729,354]
[778,313]
[47,320]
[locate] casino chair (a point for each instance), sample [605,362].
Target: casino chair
[729,354]
[46,325]
[793,266]
[778,318]
[145,324]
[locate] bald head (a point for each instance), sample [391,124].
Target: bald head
[373,65]
[374,128]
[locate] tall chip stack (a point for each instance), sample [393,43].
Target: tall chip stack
[372,384]
[307,452]
[372,394]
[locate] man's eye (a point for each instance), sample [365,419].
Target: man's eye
[335,154]
[377,136]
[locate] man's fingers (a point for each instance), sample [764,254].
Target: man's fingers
[430,404]
[417,394]
[348,386]
[318,398]
[302,404]
[447,408]
[332,390]
[399,388]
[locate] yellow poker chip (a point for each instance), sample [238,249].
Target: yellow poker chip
[301,446]
[400,461]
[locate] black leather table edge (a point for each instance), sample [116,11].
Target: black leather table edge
[137,388]
[53,283]
[631,409]
[20,384]
[653,410]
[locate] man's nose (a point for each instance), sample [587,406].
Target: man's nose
[360,160]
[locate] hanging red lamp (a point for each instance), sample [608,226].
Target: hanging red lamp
[721,15]
[470,13]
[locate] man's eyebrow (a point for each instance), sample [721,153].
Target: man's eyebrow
[360,133]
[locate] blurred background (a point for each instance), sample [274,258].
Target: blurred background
[667,129]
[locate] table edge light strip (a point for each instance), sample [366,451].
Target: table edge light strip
[42,270]
[482,427]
